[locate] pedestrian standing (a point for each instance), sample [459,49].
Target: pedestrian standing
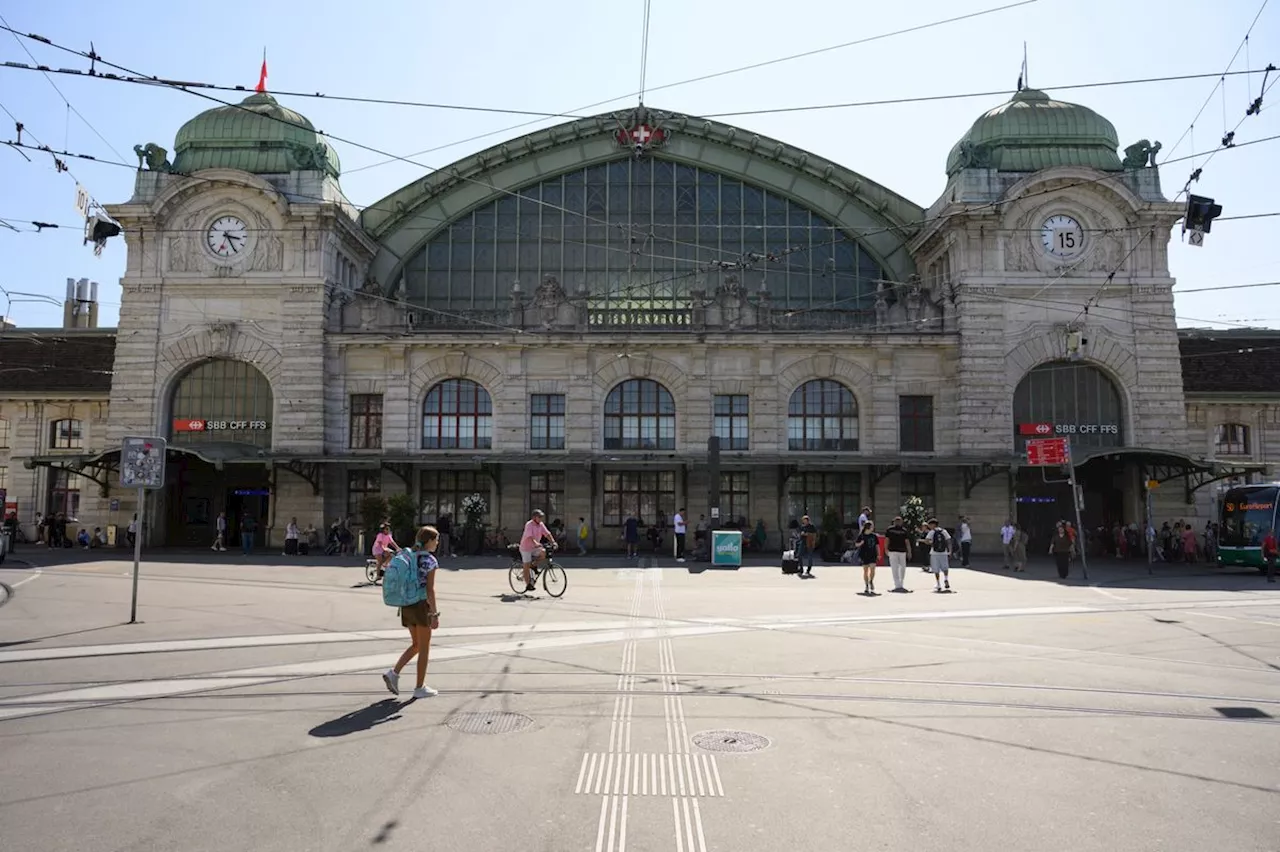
[291,534]
[966,541]
[898,546]
[1062,548]
[132,532]
[806,546]
[1007,533]
[220,540]
[868,547]
[1269,555]
[584,532]
[864,517]
[631,534]
[248,526]
[679,525]
[421,618]
[939,541]
[1018,548]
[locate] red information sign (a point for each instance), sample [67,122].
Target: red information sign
[1042,429]
[1048,452]
[188,425]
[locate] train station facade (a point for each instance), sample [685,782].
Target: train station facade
[564,320]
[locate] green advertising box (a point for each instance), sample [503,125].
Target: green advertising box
[726,548]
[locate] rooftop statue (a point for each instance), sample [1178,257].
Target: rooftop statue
[155,157]
[1141,154]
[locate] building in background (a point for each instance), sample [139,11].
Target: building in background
[563,320]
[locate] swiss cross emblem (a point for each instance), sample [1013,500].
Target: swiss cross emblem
[641,136]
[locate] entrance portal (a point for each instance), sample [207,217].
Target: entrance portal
[1041,504]
[197,492]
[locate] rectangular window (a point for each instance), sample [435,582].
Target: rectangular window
[64,493]
[730,421]
[4,434]
[442,492]
[546,422]
[1231,439]
[734,494]
[546,492]
[920,485]
[66,435]
[361,484]
[4,476]
[915,424]
[813,493]
[648,494]
[366,421]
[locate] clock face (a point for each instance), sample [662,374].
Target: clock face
[1062,236]
[227,236]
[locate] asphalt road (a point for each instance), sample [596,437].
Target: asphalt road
[245,711]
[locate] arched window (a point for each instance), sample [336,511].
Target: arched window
[639,414]
[66,435]
[222,401]
[457,415]
[1068,399]
[822,415]
[580,227]
[1231,439]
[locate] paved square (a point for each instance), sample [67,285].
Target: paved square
[651,708]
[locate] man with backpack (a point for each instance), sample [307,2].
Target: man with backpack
[410,584]
[939,541]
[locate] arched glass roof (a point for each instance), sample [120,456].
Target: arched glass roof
[641,232]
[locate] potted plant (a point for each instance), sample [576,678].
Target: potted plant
[403,512]
[914,516]
[474,508]
[373,510]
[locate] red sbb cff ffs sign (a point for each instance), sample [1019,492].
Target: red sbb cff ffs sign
[1042,429]
[188,425]
[1048,452]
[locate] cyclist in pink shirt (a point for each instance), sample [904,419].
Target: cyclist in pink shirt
[531,549]
[384,547]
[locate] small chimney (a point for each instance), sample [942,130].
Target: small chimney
[81,307]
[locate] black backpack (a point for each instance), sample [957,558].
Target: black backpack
[939,541]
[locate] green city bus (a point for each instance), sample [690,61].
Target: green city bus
[1245,516]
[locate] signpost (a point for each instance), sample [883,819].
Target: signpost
[142,463]
[1056,452]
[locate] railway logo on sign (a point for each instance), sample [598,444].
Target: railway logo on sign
[1048,452]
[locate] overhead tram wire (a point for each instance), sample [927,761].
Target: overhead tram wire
[644,49]
[65,100]
[1221,81]
[163,83]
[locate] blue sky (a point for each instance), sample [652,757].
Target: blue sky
[560,55]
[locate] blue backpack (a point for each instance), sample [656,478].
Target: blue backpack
[400,585]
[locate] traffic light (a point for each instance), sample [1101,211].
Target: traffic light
[1201,212]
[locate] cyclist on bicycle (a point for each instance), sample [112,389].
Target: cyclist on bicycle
[384,547]
[532,550]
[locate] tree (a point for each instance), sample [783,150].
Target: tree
[373,510]
[914,515]
[403,512]
[832,534]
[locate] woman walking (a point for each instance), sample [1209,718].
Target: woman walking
[868,547]
[421,618]
[1062,549]
[1018,548]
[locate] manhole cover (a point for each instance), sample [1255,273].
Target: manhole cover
[489,722]
[730,741]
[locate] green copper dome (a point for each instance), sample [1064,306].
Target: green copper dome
[258,136]
[1032,132]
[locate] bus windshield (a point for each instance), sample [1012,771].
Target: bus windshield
[1246,516]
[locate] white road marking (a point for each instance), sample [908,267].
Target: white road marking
[26,580]
[271,640]
[1103,591]
[1235,618]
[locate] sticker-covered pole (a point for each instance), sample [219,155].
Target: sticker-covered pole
[137,553]
[1077,497]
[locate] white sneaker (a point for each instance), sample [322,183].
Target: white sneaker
[425,692]
[392,680]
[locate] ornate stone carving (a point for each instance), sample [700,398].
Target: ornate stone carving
[1141,155]
[220,337]
[178,256]
[974,156]
[547,300]
[914,299]
[1019,256]
[882,308]
[309,157]
[155,157]
[268,253]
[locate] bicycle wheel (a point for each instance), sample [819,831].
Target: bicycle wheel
[555,580]
[515,576]
[371,571]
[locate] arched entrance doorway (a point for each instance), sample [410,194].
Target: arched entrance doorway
[1079,402]
[221,420]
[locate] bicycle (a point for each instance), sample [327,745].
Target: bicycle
[371,571]
[554,578]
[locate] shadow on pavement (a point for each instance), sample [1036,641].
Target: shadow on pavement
[1135,574]
[364,719]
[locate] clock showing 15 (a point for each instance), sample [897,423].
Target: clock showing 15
[1062,236]
[227,236]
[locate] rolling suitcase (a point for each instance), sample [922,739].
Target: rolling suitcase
[790,564]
